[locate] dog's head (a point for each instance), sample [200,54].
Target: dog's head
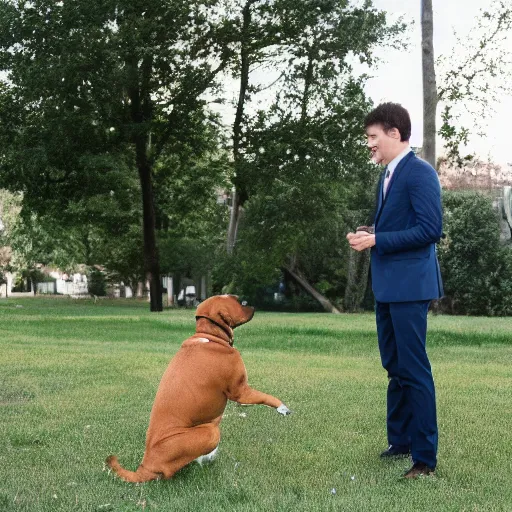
[224,312]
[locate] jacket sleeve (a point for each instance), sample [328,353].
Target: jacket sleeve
[425,195]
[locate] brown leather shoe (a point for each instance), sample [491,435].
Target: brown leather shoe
[418,469]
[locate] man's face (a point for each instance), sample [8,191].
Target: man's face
[384,146]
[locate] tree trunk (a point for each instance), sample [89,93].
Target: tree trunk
[234,220]
[308,79]
[239,194]
[429,83]
[357,279]
[151,257]
[141,112]
[300,279]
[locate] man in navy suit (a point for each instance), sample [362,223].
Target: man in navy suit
[405,278]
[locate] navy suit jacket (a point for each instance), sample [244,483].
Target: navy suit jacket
[408,224]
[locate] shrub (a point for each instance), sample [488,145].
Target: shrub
[476,268]
[97,282]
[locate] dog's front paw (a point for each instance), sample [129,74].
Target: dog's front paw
[282,409]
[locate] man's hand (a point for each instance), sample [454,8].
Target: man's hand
[361,240]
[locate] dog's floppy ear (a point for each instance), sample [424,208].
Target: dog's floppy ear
[216,309]
[225,316]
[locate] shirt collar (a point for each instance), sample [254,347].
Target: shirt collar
[393,164]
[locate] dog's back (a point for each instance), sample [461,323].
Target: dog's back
[193,388]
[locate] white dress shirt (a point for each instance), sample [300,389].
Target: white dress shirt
[392,166]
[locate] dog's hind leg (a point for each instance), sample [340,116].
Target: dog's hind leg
[210,457]
[179,450]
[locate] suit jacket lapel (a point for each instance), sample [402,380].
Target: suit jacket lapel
[399,167]
[379,196]
[394,177]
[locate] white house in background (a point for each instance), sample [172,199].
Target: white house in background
[65,284]
[5,257]
[9,277]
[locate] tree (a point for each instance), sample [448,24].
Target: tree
[103,229]
[469,90]
[482,74]
[284,36]
[9,211]
[305,150]
[429,83]
[96,89]
[477,269]
[191,222]
[93,83]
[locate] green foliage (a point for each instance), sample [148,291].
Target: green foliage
[92,89]
[471,86]
[97,282]
[307,171]
[191,223]
[96,93]
[101,229]
[37,276]
[476,268]
[302,162]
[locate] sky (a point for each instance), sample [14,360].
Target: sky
[388,83]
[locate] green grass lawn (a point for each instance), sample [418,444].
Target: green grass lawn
[77,381]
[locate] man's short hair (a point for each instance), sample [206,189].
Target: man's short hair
[390,115]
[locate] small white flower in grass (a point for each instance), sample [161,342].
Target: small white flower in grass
[243,415]
[54,496]
[333,491]
[352,477]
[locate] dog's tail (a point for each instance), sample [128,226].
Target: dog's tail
[141,475]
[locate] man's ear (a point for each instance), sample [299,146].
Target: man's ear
[394,133]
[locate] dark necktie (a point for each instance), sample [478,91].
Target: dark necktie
[386,182]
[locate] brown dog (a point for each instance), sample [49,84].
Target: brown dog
[193,392]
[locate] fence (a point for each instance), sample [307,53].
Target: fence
[62,287]
[46,288]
